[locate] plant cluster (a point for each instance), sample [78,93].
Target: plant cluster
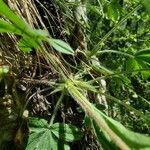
[94,90]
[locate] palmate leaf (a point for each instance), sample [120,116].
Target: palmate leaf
[44,136]
[41,137]
[39,123]
[39,140]
[68,133]
[44,140]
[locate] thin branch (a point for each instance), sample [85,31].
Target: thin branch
[56,108]
[98,46]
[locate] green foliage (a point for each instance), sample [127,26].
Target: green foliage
[44,136]
[146,4]
[123,137]
[65,132]
[112,32]
[61,46]
[133,140]
[30,38]
[113,10]
[143,55]
[7,27]
[27,44]
[141,60]
[103,138]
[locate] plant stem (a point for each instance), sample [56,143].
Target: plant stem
[115,74]
[117,52]
[98,46]
[95,114]
[56,108]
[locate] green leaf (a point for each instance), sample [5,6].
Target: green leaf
[116,131]
[85,85]
[102,69]
[146,4]
[134,140]
[20,26]
[61,46]
[145,74]
[31,37]
[41,34]
[87,122]
[68,133]
[41,137]
[113,11]
[142,59]
[45,141]
[94,9]
[40,140]
[138,63]
[103,138]
[5,11]
[132,65]
[144,55]
[36,122]
[145,52]
[8,27]
[27,44]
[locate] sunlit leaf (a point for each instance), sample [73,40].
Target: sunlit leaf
[8,27]
[41,137]
[132,65]
[39,140]
[113,11]
[61,46]
[6,12]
